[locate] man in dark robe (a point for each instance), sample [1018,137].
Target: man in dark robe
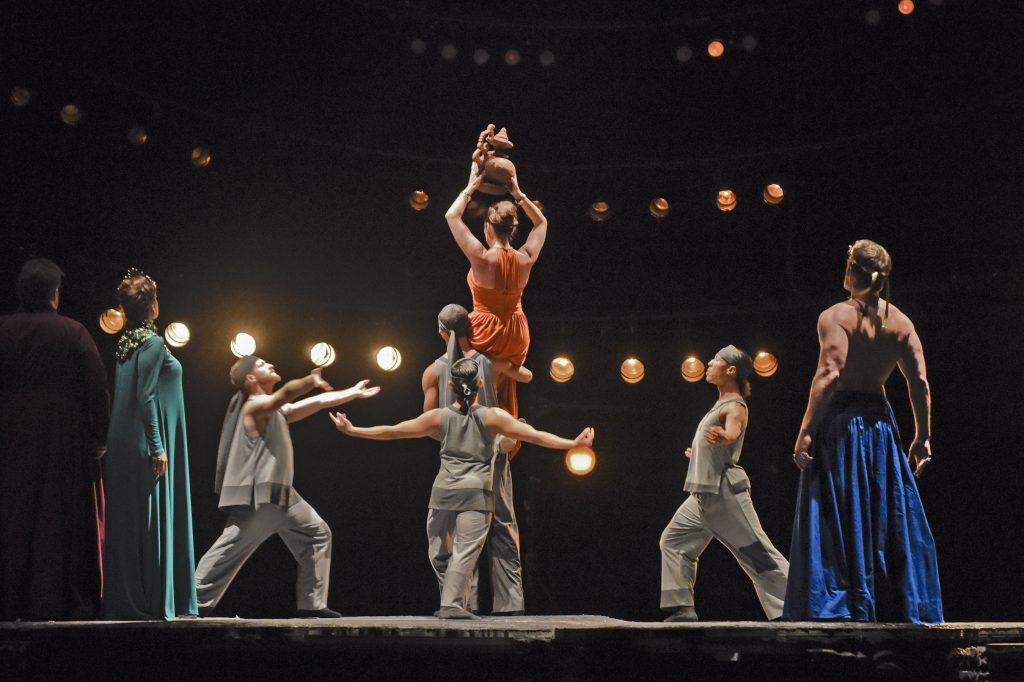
[54,412]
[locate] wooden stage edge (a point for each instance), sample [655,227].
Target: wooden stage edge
[520,648]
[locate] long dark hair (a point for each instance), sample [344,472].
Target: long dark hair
[466,378]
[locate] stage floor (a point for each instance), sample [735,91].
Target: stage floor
[518,648]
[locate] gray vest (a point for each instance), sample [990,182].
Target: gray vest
[464,481]
[488,395]
[708,462]
[260,470]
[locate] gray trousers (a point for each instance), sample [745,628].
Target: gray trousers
[303,531]
[455,540]
[730,518]
[503,546]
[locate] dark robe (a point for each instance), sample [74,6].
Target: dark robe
[54,412]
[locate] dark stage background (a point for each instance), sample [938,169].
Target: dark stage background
[321,120]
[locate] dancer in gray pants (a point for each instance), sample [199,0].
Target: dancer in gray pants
[503,538]
[719,505]
[255,469]
[461,500]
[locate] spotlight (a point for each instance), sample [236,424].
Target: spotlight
[906,7]
[749,43]
[243,344]
[419,200]
[388,358]
[201,157]
[480,56]
[322,354]
[562,369]
[726,200]
[772,194]
[684,54]
[71,114]
[872,17]
[177,334]
[658,207]
[418,46]
[449,52]
[112,320]
[632,370]
[765,364]
[138,136]
[512,57]
[580,460]
[546,58]
[716,48]
[20,97]
[600,211]
[692,369]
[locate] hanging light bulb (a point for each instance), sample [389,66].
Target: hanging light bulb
[177,334]
[765,364]
[112,320]
[600,211]
[726,200]
[71,115]
[772,194]
[419,200]
[201,157]
[322,354]
[580,460]
[138,136]
[243,344]
[562,369]
[906,7]
[716,48]
[20,97]
[659,207]
[632,370]
[692,369]
[388,358]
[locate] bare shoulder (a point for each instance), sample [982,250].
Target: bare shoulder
[899,323]
[841,314]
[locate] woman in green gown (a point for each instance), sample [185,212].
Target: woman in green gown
[148,558]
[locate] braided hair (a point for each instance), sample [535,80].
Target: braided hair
[466,378]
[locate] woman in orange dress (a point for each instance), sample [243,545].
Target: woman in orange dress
[497,276]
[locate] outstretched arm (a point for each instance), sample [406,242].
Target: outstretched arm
[260,407]
[294,412]
[515,372]
[539,233]
[469,244]
[500,421]
[424,425]
[834,346]
[911,364]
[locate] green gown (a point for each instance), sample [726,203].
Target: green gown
[148,558]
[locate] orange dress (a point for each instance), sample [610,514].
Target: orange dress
[498,324]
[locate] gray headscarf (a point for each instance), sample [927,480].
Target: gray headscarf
[231,417]
[738,359]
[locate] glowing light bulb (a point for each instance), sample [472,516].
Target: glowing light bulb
[389,359]
[765,364]
[773,194]
[600,211]
[177,334]
[562,369]
[726,200]
[71,115]
[243,344]
[419,200]
[201,157]
[322,354]
[112,321]
[692,369]
[580,460]
[659,207]
[632,370]
[716,48]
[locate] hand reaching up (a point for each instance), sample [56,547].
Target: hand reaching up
[319,381]
[586,437]
[341,421]
[363,392]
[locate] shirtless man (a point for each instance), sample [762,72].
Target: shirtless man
[862,549]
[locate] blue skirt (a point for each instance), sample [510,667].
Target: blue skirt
[862,549]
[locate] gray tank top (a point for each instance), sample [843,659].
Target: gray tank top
[488,396]
[464,481]
[260,470]
[708,462]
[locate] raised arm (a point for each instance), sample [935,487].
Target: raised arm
[293,412]
[911,364]
[515,372]
[426,424]
[470,245]
[834,346]
[260,407]
[500,421]
[539,233]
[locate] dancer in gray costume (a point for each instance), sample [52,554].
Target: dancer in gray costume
[503,539]
[461,500]
[719,505]
[255,469]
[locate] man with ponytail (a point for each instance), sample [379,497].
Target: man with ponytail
[503,539]
[461,500]
[255,470]
[719,505]
[862,549]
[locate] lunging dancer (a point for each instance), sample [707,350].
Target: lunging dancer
[719,505]
[255,469]
[862,549]
[503,539]
[461,500]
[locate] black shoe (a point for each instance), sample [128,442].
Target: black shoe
[455,613]
[317,613]
[684,614]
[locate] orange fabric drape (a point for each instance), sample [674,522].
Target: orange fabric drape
[498,325]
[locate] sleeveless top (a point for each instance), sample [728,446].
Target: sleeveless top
[487,395]
[709,462]
[464,481]
[260,470]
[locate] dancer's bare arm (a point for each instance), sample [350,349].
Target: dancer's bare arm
[515,372]
[430,392]
[470,245]
[835,343]
[733,418]
[296,411]
[539,233]
[500,421]
[426,424]
[259,408]
[911,364]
